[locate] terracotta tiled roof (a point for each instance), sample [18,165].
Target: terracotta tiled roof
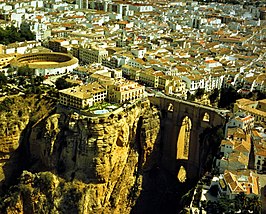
[228,142]
[245,182]
[260,149]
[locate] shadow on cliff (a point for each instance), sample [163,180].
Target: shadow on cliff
[19,160]
[160,191]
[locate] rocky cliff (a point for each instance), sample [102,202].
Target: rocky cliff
[80,164]
[16,115]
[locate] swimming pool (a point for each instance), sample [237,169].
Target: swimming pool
[104,111]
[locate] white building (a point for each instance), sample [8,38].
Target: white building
[193,82]
[141,7]
[242,121]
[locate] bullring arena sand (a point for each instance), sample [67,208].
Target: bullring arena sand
[44,63]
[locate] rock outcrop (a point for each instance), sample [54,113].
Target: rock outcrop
[86,164]
[16,115]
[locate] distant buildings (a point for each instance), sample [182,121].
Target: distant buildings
[244,130]
[234,150]
[210,46]
[242,121]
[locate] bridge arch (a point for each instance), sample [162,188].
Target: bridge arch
[189,154]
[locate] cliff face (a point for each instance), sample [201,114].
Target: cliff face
[15,116]
[97,163]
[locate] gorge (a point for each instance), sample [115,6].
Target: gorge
[55,160]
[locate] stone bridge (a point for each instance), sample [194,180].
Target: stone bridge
[182,124]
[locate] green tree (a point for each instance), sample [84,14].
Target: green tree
[240,200]
[25,32]
[10,71]
[190,97]
[25,71]
[4,36]
[255,204]
[214,95]
[3,79]
[199,93]
[258,95]
[34,90]
[38,80]
[21,81]
[214,190]
[247,203]
[61,83]
[228,96]
[12,34]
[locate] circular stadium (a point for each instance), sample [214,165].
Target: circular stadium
[46,63]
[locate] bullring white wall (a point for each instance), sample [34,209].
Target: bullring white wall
[46,63]
[55,71]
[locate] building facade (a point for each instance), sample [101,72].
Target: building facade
[92,55]
[83,96]
[124,90]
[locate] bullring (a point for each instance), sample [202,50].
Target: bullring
[46,63]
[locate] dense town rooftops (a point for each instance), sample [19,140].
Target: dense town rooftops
[260,148]
[244,101]
[254,111]
[247,183]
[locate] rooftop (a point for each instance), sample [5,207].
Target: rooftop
[84,91]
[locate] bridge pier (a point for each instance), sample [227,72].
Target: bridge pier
[169,140]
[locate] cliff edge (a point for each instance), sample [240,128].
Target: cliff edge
[81,164]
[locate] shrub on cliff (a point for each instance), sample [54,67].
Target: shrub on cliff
[5,104]
[3,79]
[214,95]
[61,83]
[199,93]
